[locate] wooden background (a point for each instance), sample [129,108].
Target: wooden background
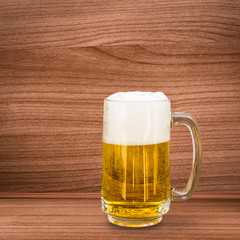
[60,59]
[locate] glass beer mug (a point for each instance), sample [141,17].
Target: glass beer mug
[136,189]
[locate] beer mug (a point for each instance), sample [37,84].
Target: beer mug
[136,189]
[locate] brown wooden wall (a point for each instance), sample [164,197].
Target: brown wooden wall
[60,59]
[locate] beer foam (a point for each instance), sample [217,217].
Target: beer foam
[137,96]
[136,118]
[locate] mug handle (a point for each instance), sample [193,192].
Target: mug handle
[191,123]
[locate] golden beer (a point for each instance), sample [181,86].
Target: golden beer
[135,179]
[136,188]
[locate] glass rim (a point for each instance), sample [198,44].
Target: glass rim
[128,101]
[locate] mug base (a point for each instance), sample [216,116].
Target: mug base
[134,222]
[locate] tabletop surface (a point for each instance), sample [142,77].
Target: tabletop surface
[83,219]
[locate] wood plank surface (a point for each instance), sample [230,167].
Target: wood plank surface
[60,59]
[83,219]
[38,24]
[51,112]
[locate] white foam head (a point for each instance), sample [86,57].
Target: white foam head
[136,118]
[137,96]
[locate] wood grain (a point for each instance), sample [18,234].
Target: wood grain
[51,111]
[60,59]
[83,219]
[30,24]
